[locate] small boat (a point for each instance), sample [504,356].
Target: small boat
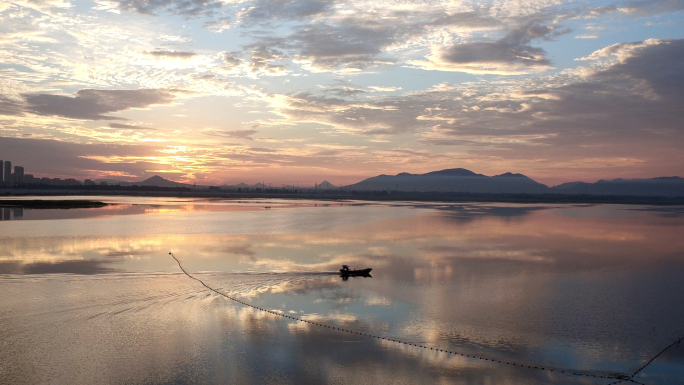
[346,271]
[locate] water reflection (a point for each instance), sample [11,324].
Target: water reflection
[464,213]
[78,266]
[160,328]
[5,214]
[183,335]
[346,277]
[595,288]
[122,205]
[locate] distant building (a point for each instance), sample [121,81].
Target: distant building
[56,182]
[88,182]
[2,171]
[45,181]
[29,179]
[8,171]
[18,174]
[103,183]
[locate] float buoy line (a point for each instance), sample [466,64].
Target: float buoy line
[620,377]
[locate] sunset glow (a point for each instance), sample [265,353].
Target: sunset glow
[299,91]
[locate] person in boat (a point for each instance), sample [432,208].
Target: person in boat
[345,268]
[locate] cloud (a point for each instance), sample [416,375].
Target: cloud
[463,21]
[346,91]
[262,58]
[644,8]
[510,55]
[155,7]
[651,7]
[235,134]
[64,159]
[381,117]
[621,51]
[129,127]
[39,5]
[557,109]
[560,119]
[271,10]
[263,61]
[346,41]
[11,107]
[384,89]
[233,60]
[89,104]
[171,54]
[327,47]
[610,121]
[658,64]
[219,25]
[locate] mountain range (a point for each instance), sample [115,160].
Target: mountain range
[453,180]
[153,181]
[465,181]
[672,186]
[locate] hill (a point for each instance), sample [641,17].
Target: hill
[161,182]
[153,181]
[662,186]
[452,180]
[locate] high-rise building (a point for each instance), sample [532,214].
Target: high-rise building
[8,171]
[2,169]
[18,174]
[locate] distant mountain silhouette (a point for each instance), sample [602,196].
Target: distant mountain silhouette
[510,175]
[452,180]
[662,186]
[160,182]
[465,181]
[152,181]
[259,185]
[452,172]
[326,185]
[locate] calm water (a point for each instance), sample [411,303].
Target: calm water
[92,296]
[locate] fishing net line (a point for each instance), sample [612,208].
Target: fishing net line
[618,377]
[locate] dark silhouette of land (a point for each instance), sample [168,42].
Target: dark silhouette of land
[325,195]
[50,204]
[451,185]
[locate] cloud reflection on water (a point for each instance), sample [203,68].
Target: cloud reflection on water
[177,333]
[88,267]
[541,238]
[596,288]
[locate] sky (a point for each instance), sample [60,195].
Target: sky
[297,91]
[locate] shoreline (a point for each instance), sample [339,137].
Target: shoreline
[51,204]
[382,196]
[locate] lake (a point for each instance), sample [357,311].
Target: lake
[460,293]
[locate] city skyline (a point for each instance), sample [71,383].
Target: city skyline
[11,178]
[218,92]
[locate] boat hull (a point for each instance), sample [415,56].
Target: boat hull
[351,273]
